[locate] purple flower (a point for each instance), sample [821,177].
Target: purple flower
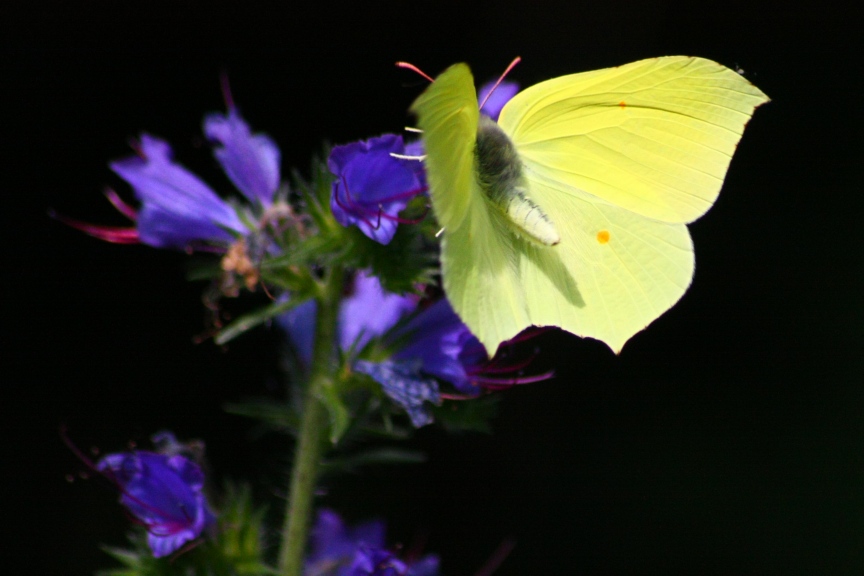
[178,210]
[434,344]
[164,493]
[336,550]
[367,312]
[371,186]
[251,161]
[333,545]
[405,384]
[376,562]
[445,348]
[495,103]
[370,311]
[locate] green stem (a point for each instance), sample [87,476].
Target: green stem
[313,431]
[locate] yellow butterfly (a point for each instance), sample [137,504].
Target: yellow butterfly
[571,211]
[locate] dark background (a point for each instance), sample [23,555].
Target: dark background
[728,438]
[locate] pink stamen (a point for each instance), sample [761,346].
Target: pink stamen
[498,556]
[121,206]
[75,450]
[170,527]
[504,75]
[226,90]
[528,334]
[414,68]
[113,234]
[493,366]
[416,550]
[447,396]
[503,383]
[355,208]
[493,374]
[364,212]
[135,144]
[412,221]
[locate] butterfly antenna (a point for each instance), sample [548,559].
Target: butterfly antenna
[64,436]
[414,68]
[226,90]
[501,79]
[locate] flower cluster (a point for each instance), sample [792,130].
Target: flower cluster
[398,336]
[179,210]
[372,183]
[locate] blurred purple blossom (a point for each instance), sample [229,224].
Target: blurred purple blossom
[251,161]
[179,210]
[367,311]
[336,550]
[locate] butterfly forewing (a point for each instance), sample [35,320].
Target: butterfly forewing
[447,113]
[654,136]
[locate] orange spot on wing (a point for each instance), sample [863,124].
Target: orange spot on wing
[603,236]
[622,104]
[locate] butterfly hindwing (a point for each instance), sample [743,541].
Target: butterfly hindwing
[613,272]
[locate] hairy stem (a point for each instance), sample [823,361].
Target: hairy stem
[313,431]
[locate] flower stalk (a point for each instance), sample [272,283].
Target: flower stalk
[313,429]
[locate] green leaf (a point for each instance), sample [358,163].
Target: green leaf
[203,269]
[386,455]
[276,415]
[408,260]
[340,418]
[253,319]
[467,415]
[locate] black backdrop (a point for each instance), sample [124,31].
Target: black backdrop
[725,439]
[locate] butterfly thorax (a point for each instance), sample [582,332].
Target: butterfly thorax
[499,175]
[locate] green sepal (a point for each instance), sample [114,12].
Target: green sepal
[315,192]
[407,260]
